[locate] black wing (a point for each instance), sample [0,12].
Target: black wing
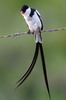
[40,19]
[32,12]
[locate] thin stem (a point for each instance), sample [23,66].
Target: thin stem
[20,33]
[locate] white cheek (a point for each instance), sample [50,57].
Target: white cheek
[27,14]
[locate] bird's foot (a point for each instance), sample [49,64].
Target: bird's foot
[29,32]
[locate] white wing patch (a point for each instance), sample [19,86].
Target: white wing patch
[38,12]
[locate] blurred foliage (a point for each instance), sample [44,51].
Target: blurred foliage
[16,54]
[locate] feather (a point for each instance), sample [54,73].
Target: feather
[44,69]
[25,76]
[38,38]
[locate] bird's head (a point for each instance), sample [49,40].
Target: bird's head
[25,10]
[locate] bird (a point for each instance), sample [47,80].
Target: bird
[34,21]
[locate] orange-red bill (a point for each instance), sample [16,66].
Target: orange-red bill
[21,12]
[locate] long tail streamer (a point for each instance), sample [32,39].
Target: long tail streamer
[44,69]
[25,76]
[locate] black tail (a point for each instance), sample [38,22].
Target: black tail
[44,69]
[25,76]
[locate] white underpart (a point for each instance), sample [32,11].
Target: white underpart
[34,23]
[38,38]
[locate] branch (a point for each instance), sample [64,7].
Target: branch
[51,30]
[20,33]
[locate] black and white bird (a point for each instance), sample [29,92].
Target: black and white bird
[35,24]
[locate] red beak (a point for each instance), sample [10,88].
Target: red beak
[21,12]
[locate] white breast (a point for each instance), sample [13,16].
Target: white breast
[33,22]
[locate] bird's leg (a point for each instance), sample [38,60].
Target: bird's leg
[30,32]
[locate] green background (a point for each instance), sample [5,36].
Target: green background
[16,54]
